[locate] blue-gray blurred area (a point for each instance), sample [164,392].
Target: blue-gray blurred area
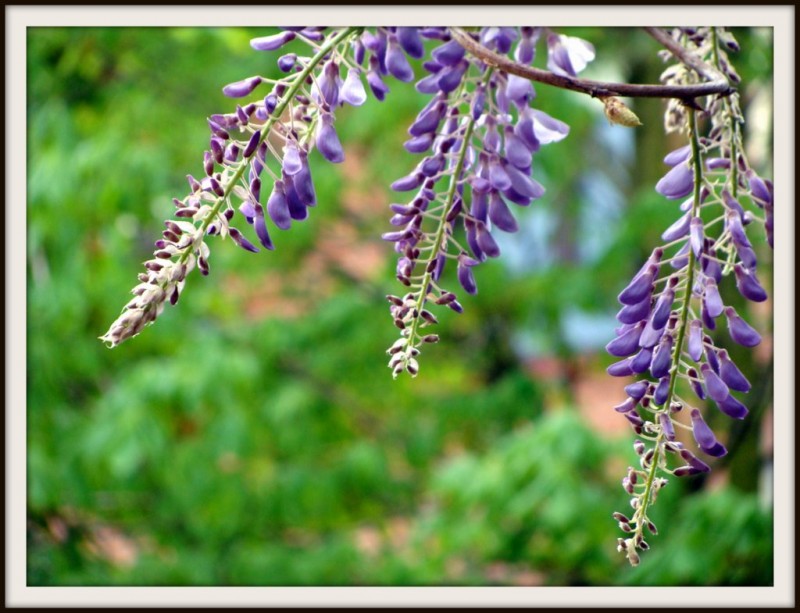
[254,434]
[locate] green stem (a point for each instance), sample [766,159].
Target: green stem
[697,165]
[440,230]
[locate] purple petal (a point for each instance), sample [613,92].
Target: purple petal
[547,129]
[679,155]
[241,88]
[639,288]
[694,344]
[666,426]
[448,54]
[240,240]
[620,369]
[740,330]
[731,375]
[411,42]
[715,386]
[626,343]
[705,437]
[748,285]
[500,215]
[328,141]
[662,358]
[486,242]
[633,313]
[732,408]
[712,299]
[396,61]
[261,229]
[677,183]
[661,391]
[271,43]
[352,90]
[641,361]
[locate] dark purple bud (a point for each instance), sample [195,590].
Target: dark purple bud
[639,288]
[241,88]
[662,357]
[478,102]
[694,344]
[732,407]
[252,144]
[271,43]
[731,375]
[627,342]
[740,330]
[286,62]
[396,61]
[261,229]
[677,183]
[666,426]
[634,418]
[255,188]
[216,187]
[465,276]
[240,240]
[641,361]
[328,141]
[716,388]
[695,384]
[705,437]
[694,461]
[231,152]
[748,285]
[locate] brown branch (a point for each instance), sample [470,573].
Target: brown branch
[717,84]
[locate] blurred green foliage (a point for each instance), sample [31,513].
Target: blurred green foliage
[254,435]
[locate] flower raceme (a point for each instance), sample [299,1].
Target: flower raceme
[672,306]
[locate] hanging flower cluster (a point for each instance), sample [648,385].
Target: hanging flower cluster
[673,303]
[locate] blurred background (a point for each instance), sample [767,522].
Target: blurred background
[254,435]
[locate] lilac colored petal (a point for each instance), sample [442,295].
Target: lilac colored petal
[498,176]
[666,426]
[731,375]
[568,55]
[680,260]
[396,61]
[328,141]
[696,236]
[524,129]
[677,183]
[526,50]
[740,330]
[352,90]
[712,299]
[694,345]
[252,144]
[419,144]
[682,154]
[718,163]
[705,437]
[291,159]
[241,88]
[760,189]
[287,62]
[627,342]
[519,89]
[248,210]
[634,313]
[732,408]
[548,129]
[650,335]
[516,150]
[407,183]
[733,223]
[514,196]
[731,203]
[271,43]
[626,406]
[639,288]
[748,285]
[679,229]
[428,85]
[715,386]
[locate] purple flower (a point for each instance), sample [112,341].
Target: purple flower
[500,215]
[376,84]
[448,54]
[291,159]
[705,437]
[633,313]
[748,285]
[278,208]
[568,55]
[465,276]
[261,228]
[241,88]
[677,183]
[411,42]
[682,154]
[661,391]
[666,426]
[732,407]
[352,90]
[271,43]
[450,78]
[240,240]
[715,386]
[641,361]
[711,298]
[731,375]
[545,128]
[694,344]
[637,390]
[662,357]
[620,369]
[328,83]
[639,288]
[627,342]
[328,141]
[740,330]
[396,61]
